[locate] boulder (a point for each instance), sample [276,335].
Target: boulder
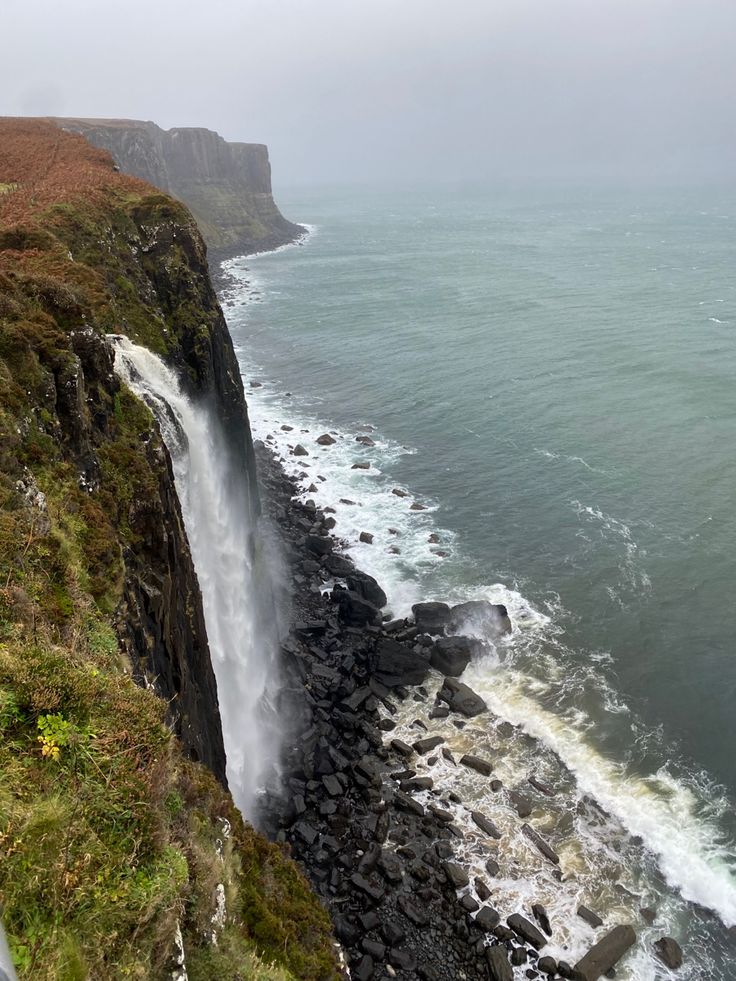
[486,919]
[456,875]
[522,804]
[538,841]
[547,965]
[590,917]
[299,450]
[461,698]
[481,617]
[396,664]
[485,824]
[367,587]
[540,915]
[366,537]
[431,618]
[499,968]
[526,930]
[477,763]
[326,440]
[319,544]
[605,954]
[451,655]
[365,440]
[338,565]
[423,746]
[669,952]
[354,610]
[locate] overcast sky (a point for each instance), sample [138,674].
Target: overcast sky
[374,89]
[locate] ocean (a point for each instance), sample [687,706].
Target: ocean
[549,373]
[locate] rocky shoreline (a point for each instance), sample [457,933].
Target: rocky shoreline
[376,839]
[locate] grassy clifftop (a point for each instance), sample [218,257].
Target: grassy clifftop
[119,848]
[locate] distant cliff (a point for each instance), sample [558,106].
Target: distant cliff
[226,186]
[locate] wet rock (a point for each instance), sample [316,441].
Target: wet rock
[299,450]
[287,429]
[418,507]
[374,948]
[392,933]
[590,917]
[355,610]
[482,889]
[669,952]
[413,910]
[485,824]
[361,466]
[451,655]
[565,970]
[402,748]
[373,891]
[399,493]
[431,618]
[365,440]
[461,698]
[477,763]
[522,804]
[319,544]
[367,587]
[396,664]
[456,875]
[482,616]
[547,965]
[649,914]
[538,841]
[338,565]
[542,787]
[402,959]
[540,915]
[326,440]
[363,970]
[605,954]
[526,930]
[366,538]
[499,968]
[469,903]
[447,754]
[487,918]
[519,956]
[492,867]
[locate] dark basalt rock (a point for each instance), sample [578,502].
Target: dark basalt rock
[499,967]
[319,544]
[522,804]
[367,587]
[540,915]
[461,698]
[519,956]
[456,875]
[547,965]
[487,918]
[355,610]
[423,746]
[605,954]
[431,618]
[396,664]
[669,952]
[476,763]
[485,824]
[589,916]
[526,930]
[326,440]
[451,655]
[538,841]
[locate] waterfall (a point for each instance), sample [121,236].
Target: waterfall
[229,560]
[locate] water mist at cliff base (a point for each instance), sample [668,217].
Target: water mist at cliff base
[231,564]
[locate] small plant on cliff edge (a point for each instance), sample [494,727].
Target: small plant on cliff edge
[54,734]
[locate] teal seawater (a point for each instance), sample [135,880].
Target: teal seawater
[563,363]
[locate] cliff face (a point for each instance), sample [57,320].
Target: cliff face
[227,186]
[123,856]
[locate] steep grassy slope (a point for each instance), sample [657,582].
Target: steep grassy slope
[113,836]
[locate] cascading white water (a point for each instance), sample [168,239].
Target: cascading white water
[233,577]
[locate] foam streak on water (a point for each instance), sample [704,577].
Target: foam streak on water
[220,528]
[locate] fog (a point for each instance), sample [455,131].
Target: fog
[417,90]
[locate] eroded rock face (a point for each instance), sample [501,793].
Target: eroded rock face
[227,186]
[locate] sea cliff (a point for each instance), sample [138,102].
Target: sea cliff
[123,853]
[226,186]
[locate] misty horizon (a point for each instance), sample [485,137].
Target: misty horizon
[365,93]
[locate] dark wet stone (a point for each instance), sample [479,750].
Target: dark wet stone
[392,933]
[542,787]
[366,537]
[430,618]
[485,824]
[451,655]
[299,450]
[363,971]
[519,956]
[605,954]
[396,664]
[540,915]
[499,967]
[487,918]
[547,965]
[326,440]
[522,804]
[538,841]
[413,910]
[354,610]
[589,916]
[482,889]
[456,875]
[402,959]
[669,952]
[484,767]
[319,544]
[649,914]
[374,948]
[461,698]
[526,930]
[492,867]
[374,892]
[423,746]
[367,587]
[469,903]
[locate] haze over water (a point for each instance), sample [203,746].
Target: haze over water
[551,370]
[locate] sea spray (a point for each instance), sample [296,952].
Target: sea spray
[231,562]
